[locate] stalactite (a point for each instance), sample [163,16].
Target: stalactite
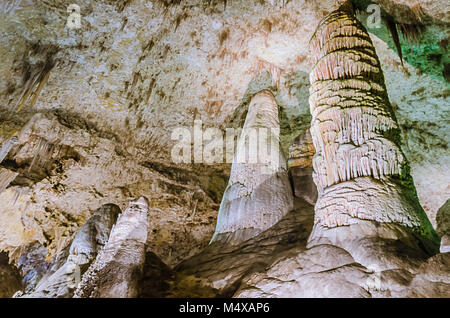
[42,153]
[263,65]
[34,86]
[392,27]
[7,146]
[412,33]
[6,177]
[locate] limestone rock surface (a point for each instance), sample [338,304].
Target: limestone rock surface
[278,263]
[111,108]
[86,117]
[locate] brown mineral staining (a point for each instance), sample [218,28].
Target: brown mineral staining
[301,154]
[301,151]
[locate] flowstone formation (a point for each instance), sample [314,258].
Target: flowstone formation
[118,267]
[363,179]
[258,194]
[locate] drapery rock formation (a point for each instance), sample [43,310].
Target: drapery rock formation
[118,267]
[258,194]
[88,241]
[363,179]
[301,154]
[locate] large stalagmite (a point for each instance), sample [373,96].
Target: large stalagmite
[258,194]
[118,267]
[363,179]
[88,241]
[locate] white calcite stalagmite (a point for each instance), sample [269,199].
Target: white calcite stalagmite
[259,193]
[362,176]
[118,267]
[88,241]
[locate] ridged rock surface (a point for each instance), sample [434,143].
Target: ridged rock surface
[365,188]
[443,226]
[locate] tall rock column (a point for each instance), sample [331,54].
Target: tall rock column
[259,193]
[118,267]
[363,179]
[88,241]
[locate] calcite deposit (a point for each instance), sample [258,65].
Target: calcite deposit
[360,170]
[83,250]
[117,270]
[353,201]
[258,194]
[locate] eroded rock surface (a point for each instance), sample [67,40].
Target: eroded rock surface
[33,265]
[86,117]
[115,107]
[329,271]
[443,226]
